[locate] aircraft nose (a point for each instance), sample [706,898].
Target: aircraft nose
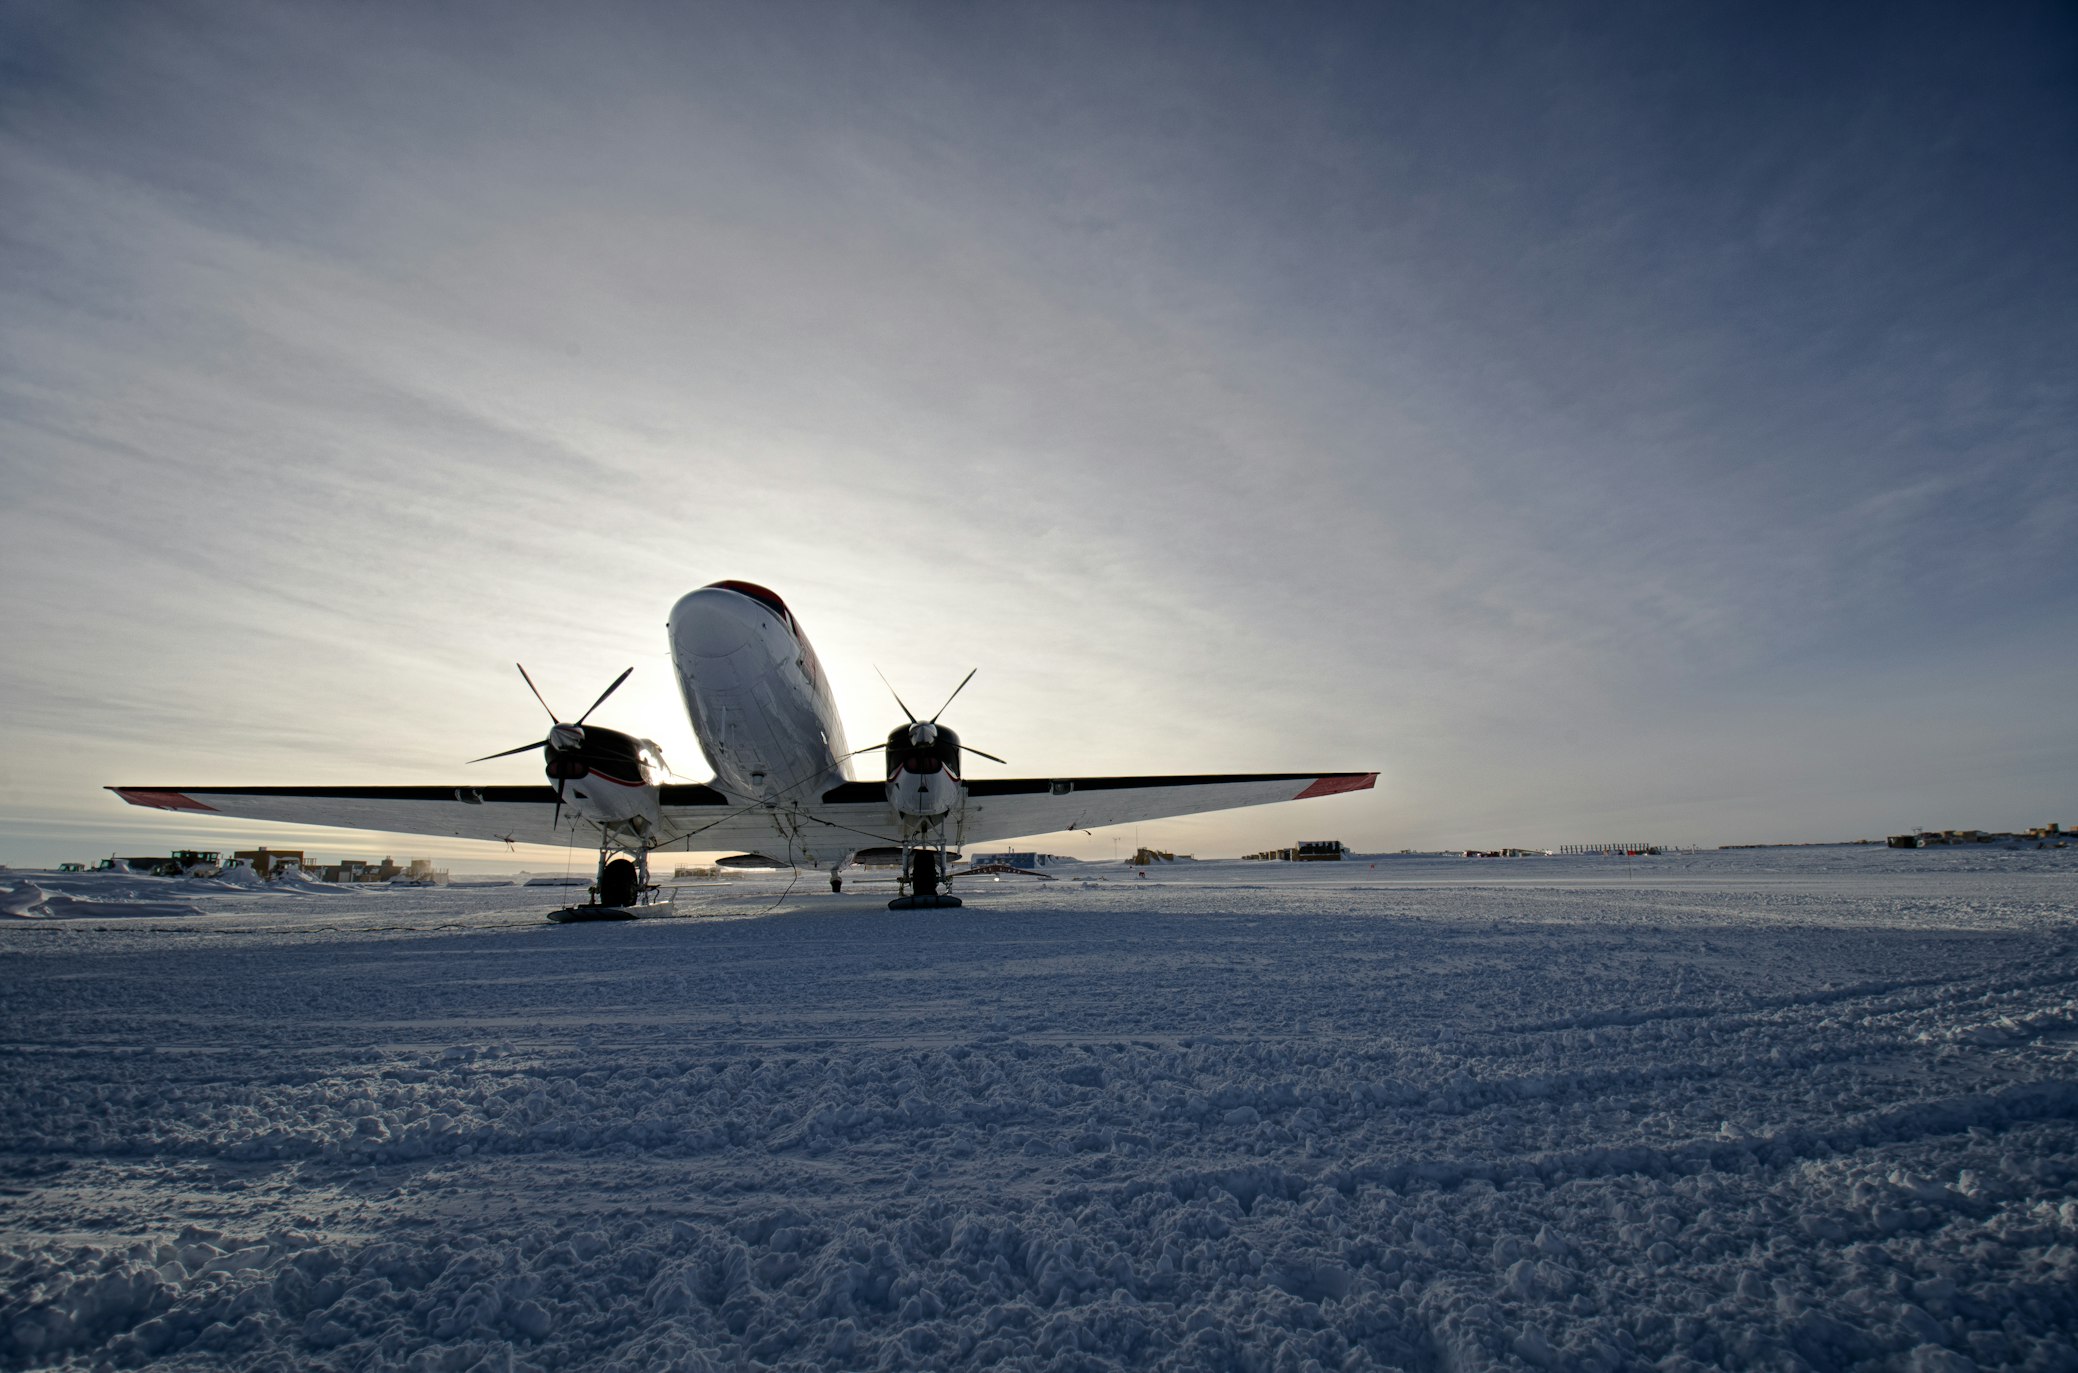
[712,623]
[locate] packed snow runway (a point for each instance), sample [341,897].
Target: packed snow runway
[1780,1109]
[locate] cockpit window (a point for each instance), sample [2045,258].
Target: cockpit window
[770,600]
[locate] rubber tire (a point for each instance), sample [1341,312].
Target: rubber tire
[617,883]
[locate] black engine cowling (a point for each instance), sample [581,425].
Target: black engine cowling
[922,749]
[608,752]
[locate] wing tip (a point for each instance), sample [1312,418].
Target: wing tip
[1334,784]
[159,798]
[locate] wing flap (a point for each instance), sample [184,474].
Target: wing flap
[692,818]
[1009,808]
[521,815]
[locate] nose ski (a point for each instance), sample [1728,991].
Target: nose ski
[923,874]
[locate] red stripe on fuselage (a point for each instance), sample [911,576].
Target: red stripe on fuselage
[765,597]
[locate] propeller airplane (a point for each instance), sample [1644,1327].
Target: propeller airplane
[763,712]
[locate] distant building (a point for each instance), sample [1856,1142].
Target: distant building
[359,870]
[2041,836]
[266,862]
[420,872]
[1144,857]
[1305,851]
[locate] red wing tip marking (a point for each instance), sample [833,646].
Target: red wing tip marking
[160,800]
[1333,786]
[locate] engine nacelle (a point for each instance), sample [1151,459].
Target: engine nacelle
[923,769]
[607,777]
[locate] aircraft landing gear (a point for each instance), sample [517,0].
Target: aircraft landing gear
[921,872]
[619,893]
[618,884]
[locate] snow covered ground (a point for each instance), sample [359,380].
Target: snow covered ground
[1778,1109]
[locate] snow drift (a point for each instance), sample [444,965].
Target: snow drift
[1700,1115]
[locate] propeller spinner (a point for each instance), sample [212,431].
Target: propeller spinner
[923,734]
[564,745]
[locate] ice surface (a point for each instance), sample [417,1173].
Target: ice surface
[1770,1110]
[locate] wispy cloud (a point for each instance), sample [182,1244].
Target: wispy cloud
[1561,412]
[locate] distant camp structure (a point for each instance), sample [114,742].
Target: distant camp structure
[999,870]
[275,864]
[1630,849]
[179,863]
[1146,857]
[270,862]
[2041,836]
[420,872]
[416,872]
[1305,851]
[1020,859]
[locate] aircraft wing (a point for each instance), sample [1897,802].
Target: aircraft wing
[695,818]
[1017,806]
[702,820]
[1009,808]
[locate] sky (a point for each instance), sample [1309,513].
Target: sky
[1612,422]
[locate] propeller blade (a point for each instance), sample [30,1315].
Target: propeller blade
[955,691]
[870,748]
[604,694]
[969,748]
[508,753]
[896,694]
[557,822]
[535,689]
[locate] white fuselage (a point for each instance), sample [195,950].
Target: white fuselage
[757,697]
